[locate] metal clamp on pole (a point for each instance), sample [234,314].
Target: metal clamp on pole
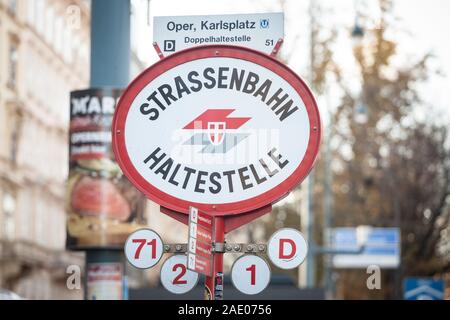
[245,248]
[175,248]
[218,247]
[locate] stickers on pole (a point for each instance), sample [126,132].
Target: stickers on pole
[250,274]
[287,248]
[176,277]
[104,281]
[144,248]
[200,242]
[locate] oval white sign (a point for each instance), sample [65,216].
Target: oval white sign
[176,277]
[250,274]
[225,129]
[287,248]
[144,248]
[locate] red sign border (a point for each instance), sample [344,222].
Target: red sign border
[201,52]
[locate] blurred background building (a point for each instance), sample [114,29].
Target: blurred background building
[44,54]
[44,51]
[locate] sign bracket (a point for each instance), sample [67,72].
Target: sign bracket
[245,248]
[239,247]
[276,48]
[220,248]
[175,248]
[158,50]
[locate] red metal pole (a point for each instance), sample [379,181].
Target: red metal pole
[214,284]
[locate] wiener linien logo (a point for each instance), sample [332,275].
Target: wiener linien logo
[216,130]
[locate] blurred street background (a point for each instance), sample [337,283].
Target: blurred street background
[380,71]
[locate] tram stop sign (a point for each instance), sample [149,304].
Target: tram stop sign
[176,277]
[144,248]
[225,129]
[250,274]
[287,248]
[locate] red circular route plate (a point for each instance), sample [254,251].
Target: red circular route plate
[201,52]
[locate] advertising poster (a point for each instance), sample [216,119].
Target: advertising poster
[105,281]
[103,207]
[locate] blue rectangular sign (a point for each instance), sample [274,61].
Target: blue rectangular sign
[381,247]
[423,289]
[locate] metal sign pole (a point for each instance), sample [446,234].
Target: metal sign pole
[110,67]
[214,284]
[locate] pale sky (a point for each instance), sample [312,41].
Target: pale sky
[423,28]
